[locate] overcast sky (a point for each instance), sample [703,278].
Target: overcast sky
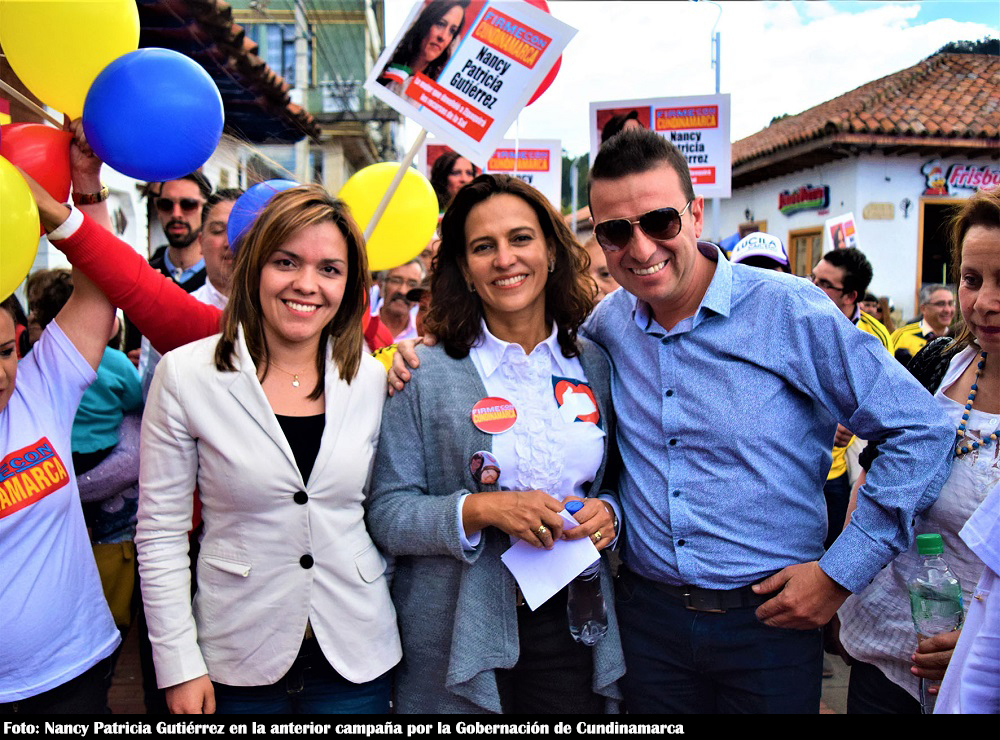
[777,57]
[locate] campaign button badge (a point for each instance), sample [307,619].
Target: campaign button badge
[485,468]
[494,415]
[576,400]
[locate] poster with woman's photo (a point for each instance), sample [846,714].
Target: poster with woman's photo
[698,125]
[536,161]
[842,232]
[464,69]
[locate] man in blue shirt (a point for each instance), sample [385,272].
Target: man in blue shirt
[729,384]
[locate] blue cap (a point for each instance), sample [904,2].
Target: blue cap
[574,506]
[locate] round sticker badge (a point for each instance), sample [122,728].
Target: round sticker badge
[484,468]
[494,415]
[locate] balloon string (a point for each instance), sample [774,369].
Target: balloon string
[398,178]
[28,103]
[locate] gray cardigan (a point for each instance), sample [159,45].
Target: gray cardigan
[457,610]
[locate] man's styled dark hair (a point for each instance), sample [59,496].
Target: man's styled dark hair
[635,151]
[857,269]
[203,183]
[219,196]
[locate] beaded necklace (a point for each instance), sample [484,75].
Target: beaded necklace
[964,445]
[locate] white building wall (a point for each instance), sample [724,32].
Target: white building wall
[892,246]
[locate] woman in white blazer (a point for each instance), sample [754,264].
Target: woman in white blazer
[275,421]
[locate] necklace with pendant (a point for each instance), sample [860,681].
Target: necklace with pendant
[294,376]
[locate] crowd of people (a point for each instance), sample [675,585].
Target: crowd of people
[752,453]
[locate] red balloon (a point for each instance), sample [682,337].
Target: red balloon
[542,5]
[42,152]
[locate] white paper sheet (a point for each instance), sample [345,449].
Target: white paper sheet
[542,573]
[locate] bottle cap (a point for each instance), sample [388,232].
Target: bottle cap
[574,506]
[929,544]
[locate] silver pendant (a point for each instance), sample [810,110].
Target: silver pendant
[295,382]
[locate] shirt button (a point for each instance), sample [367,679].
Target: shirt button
[300,497]
[670,393]
[673,442]
[680,543]
[676,494]
[306,561]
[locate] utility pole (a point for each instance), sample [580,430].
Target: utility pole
[298,94]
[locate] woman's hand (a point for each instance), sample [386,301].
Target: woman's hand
[84,165]
[932,657]
[596,521]
[518,513]
[196,696]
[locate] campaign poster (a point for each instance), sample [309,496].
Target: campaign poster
[464,69]
[698,125]
[536,161]
[842,232]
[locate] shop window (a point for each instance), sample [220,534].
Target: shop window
[805,247]
[277,42]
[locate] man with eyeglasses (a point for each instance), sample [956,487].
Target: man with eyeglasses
[937,309]
[398,313]
[178,205]
[728,386]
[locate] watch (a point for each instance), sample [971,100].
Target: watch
[89,199]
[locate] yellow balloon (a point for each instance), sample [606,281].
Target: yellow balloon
[18,228]
[409,220]
[58,47]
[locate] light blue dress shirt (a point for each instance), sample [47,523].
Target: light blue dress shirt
[187,272]
[726,423]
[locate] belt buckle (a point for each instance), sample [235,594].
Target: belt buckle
[694,603]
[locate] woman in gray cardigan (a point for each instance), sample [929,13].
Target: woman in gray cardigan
[509,289]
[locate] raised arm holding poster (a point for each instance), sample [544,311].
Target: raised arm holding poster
[464,69]
[698,125]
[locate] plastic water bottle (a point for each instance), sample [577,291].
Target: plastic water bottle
[585,609]
[935,601]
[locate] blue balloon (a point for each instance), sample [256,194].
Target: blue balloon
[249,205]
[153,114]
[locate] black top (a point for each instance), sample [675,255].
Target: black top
[304,434]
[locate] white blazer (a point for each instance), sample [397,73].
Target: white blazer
[256,590]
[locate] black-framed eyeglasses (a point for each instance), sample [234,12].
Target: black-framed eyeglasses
[662,223]
[188,205]
[825,284]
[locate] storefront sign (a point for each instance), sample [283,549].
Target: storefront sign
[878,212]
[697,125]
[958,177]
[806,198]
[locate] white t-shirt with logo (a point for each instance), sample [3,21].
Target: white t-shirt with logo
[54,621]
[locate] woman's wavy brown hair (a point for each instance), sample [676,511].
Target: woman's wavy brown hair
[287,213]
[455,314]
[981,209]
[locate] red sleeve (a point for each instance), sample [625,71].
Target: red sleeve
[376,333]
[159,308]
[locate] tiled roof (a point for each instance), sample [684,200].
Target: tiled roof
[945,100]
[258,107]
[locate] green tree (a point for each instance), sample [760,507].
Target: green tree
[583,163]
[985,45]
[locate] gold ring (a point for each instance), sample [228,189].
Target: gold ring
[542,529]
[597,536]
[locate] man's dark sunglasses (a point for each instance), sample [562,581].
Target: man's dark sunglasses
[616,233]
[188,205]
